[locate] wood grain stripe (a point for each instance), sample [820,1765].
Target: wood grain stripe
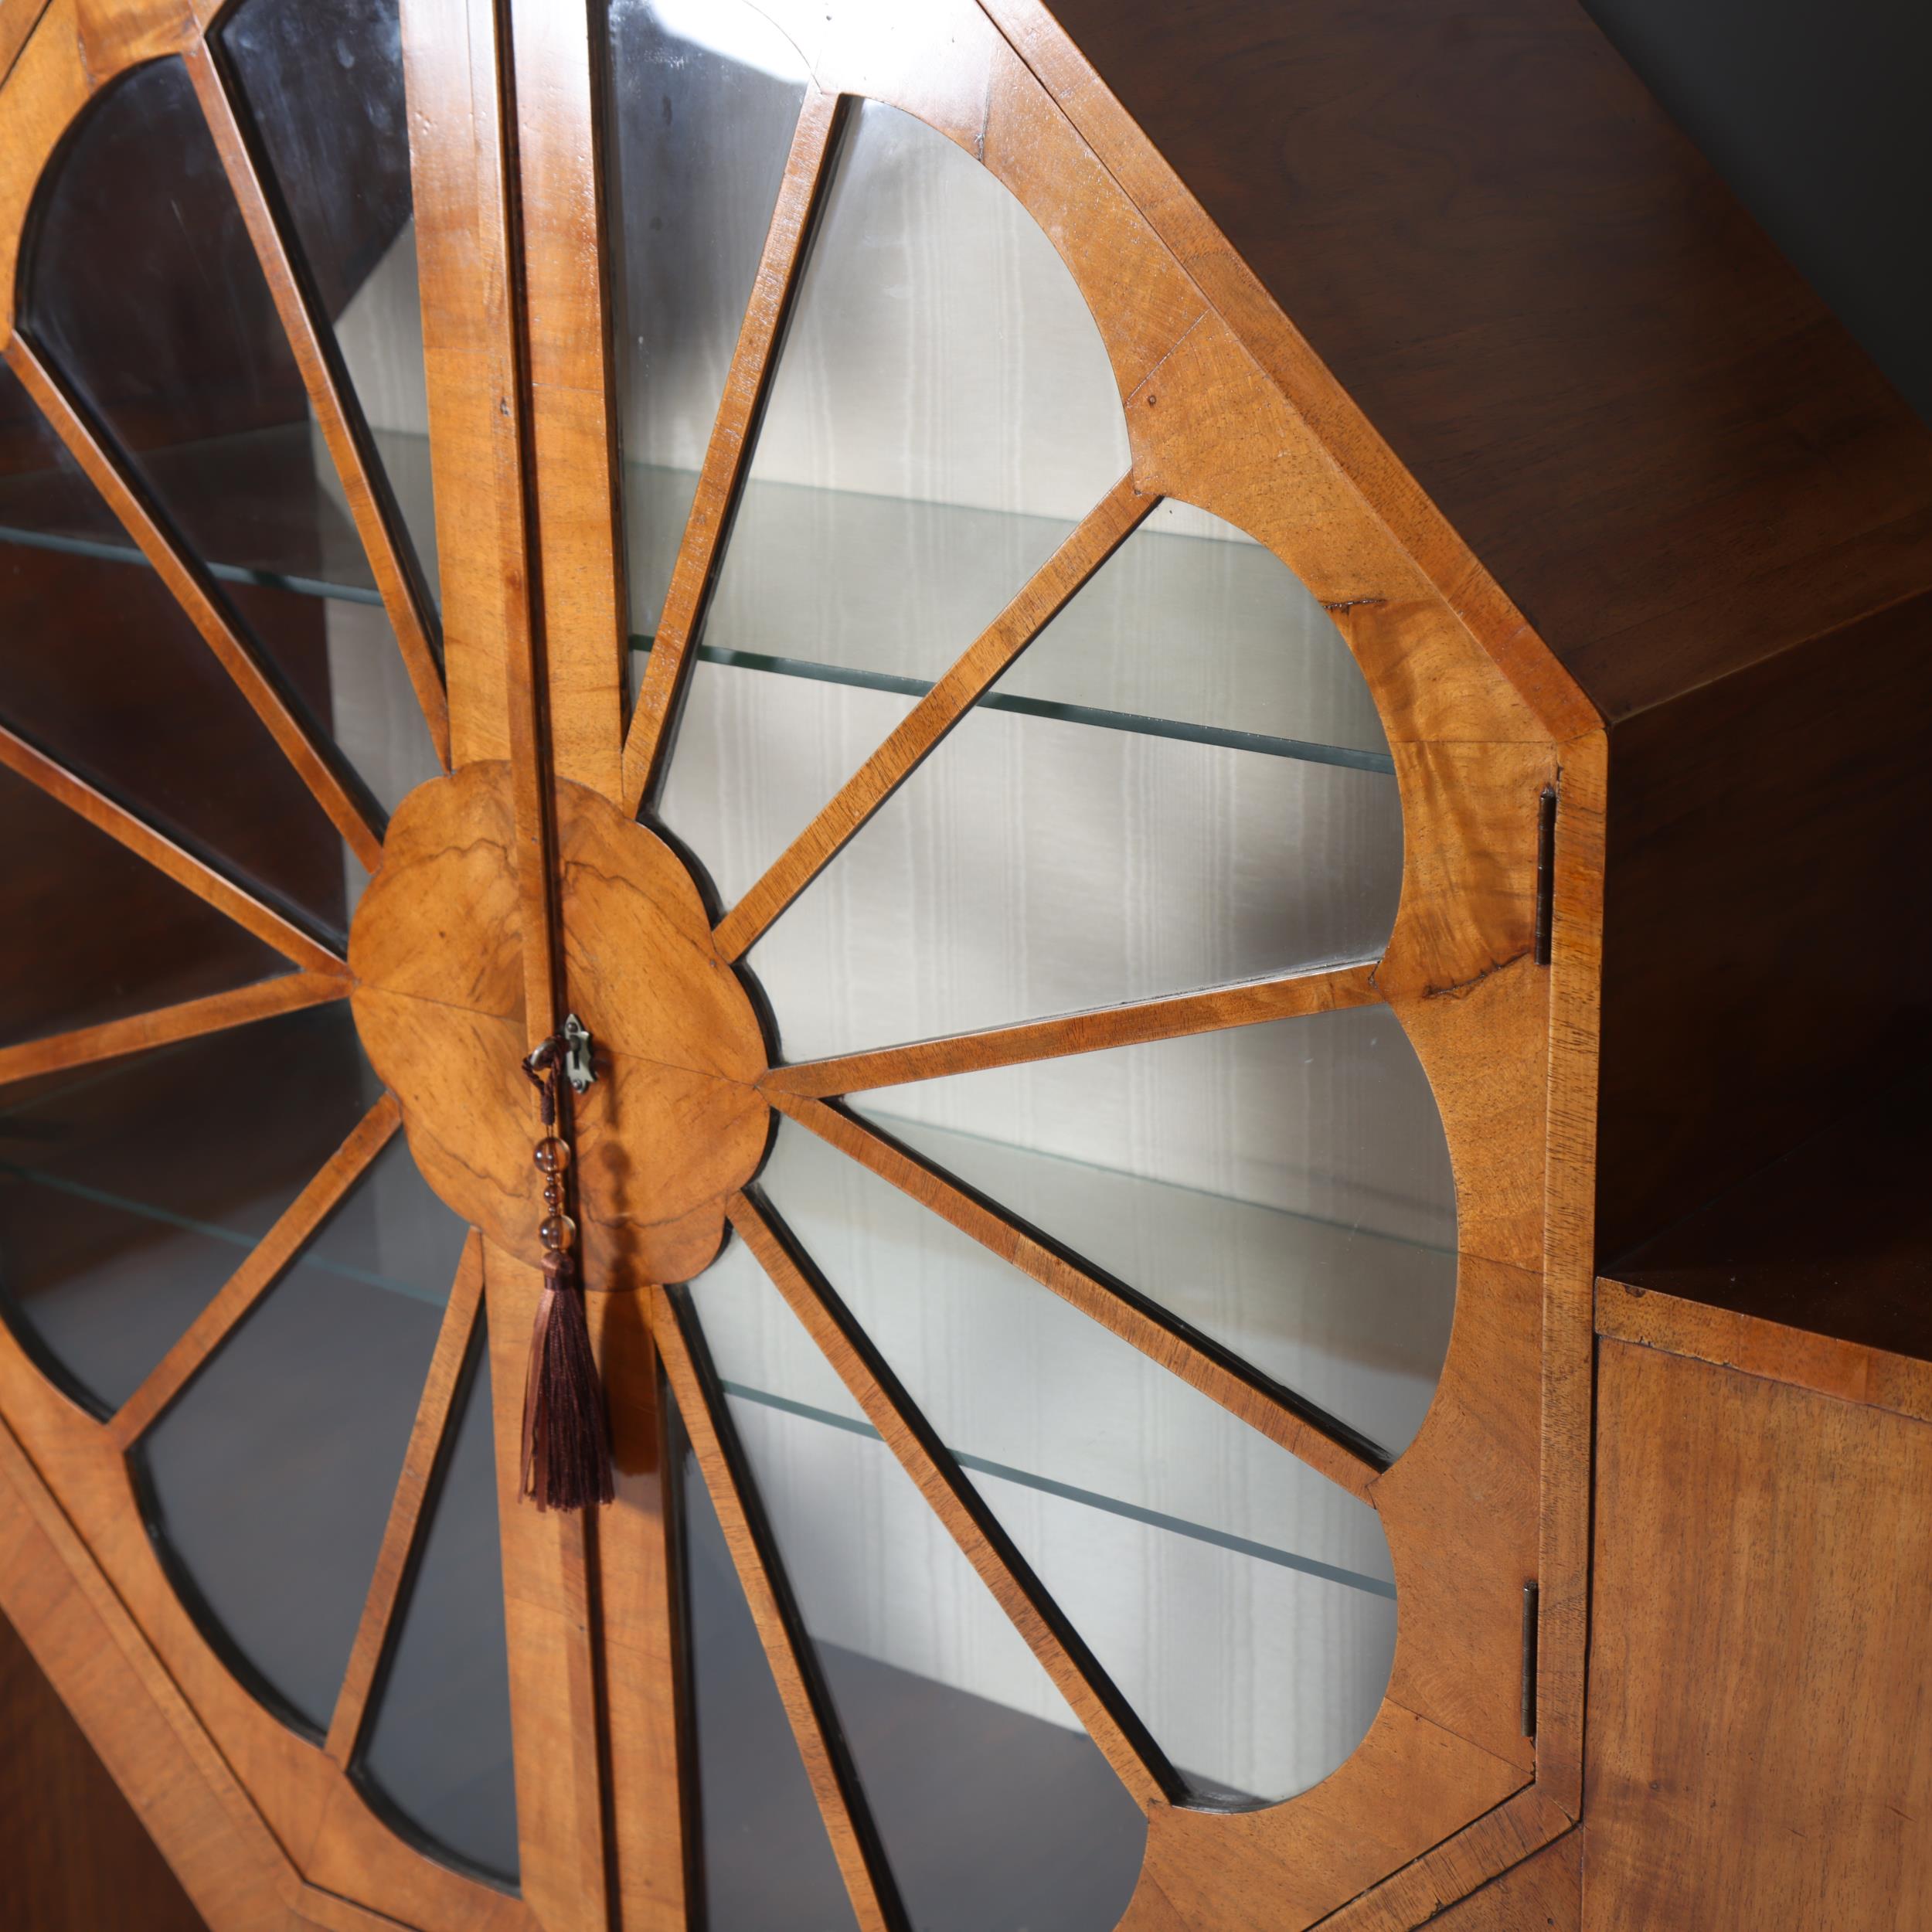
[258,1274]
[576,484]
[1098,535]
[61,1052]
[553,1622]
[787,1646]
[1323,1443]
[18,20]
[1497,1841]
[1171,1017]
[338,413]
[314,761]
[1124,1740]
[728,453]
[426,1434]
[121,825]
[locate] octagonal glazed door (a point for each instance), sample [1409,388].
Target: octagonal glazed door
[726,520]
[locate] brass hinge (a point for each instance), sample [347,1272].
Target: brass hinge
[1545,871]
[1530,1660]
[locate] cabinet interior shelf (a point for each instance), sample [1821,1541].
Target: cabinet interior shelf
[284,513]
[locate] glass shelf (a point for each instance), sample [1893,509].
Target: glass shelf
[290,530]
[858,644]
[1086,1498]
[1176,729]
[1117,656]
[1157,1521]
[313,551]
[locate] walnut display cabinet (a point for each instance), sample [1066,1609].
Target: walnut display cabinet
[1197,701]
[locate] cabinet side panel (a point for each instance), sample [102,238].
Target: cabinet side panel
[1758,1751]
[1767,950]
[1633,410]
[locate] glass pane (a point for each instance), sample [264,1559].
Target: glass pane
[1033,866]
[324,80]
[94,934]
[438,1752]
[1191,623]
[162,728]
[1244,1605]
[704,97]
[130,1191]
[142,287]
[768,1866]
[364,698]
[1284,1188]
[994,1807]
[270,1479]
[1182,782]
[943,414]
[43,493]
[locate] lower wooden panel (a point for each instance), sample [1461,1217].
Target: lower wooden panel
[1760,1686]
[76,1858]
[127,1711]
[637,1594]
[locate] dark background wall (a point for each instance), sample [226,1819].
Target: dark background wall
[1818,114]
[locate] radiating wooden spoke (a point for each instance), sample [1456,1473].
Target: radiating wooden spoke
[338,413]
[781,1630]
[184,577]
[1124,1740]
[1099,534]
[61,1052]
[1326,1444]
[729,451]
[258,1274]
[1170,1017]
[183,867]
[433,1415]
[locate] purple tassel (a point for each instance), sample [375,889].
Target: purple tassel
[566,1430]
[566,1438]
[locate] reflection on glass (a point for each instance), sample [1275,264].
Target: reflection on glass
[96,935]
[143,291]
[270,1477]
[143,288]
[1191,623]
[1284,1189]
[1032,866]
[43,494]
[130,1191]
[943,413]
[758,755]
[438,1748]
[162,728]
[1244,1605]
[368,703]
[704,97]
[768,1866]
[324,80]
[1182,782]
[994,1806]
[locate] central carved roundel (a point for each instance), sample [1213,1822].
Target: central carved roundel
[674,1123]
